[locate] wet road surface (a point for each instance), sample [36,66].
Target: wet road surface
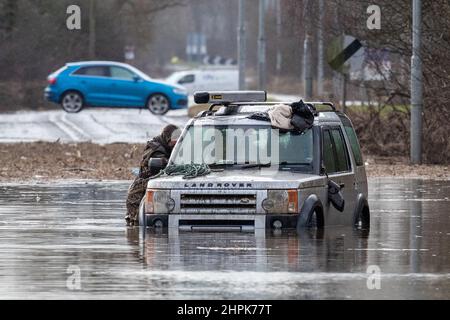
[50,234]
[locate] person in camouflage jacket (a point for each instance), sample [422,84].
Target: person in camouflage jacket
[159,147]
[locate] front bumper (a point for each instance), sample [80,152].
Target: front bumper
[220,222]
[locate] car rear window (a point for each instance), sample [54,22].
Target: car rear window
[99,71]
[57,72]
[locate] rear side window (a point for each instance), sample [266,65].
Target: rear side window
[98,71]
[335,154]
[342,162]
[353,139]
[328,152]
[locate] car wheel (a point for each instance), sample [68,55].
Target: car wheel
[72,102]
[158,104]
[312,223]
[363,219]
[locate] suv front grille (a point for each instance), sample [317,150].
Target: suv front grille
[218,202]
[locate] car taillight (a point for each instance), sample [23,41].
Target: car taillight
[51,80]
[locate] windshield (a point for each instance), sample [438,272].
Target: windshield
[245,147]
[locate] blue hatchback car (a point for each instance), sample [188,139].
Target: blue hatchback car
[113,84]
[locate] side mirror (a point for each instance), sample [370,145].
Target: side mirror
[156,165]
[136,78]
[335,196]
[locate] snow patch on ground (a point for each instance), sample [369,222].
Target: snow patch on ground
[96,125]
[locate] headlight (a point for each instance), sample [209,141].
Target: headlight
[158,202]
[179,91]
[281,201]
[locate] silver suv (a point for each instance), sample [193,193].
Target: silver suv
[261,177]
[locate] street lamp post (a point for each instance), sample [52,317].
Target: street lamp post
[262,47]
[242,49]
[416,86]
[320,50]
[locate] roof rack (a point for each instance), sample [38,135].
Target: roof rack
[312,104]
[233,108]
[232,100]
[328,104]
[228,97]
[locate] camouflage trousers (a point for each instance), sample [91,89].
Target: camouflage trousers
[135,194]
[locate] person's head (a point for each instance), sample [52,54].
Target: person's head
[170,135]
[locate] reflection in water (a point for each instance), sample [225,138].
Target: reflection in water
[45,229]
[415,225]
[330,250]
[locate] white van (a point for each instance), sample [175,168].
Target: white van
[208,79]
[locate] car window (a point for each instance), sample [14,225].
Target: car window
[100,71]
[189,78]
[342,163]
[328,152]
[296,148]
[121,73]
[354,144]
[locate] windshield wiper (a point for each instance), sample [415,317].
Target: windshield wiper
[219,164]
[266,165]
[284,163]
[256,165]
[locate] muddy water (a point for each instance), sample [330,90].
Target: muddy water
[69,241]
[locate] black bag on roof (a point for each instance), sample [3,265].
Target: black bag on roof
[302,116]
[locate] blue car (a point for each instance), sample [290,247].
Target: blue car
[112,84]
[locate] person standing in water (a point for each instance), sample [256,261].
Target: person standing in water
[160,146]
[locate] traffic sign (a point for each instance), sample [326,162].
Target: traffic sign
[340,50]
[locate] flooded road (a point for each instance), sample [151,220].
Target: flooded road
[69,241]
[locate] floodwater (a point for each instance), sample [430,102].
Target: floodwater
[69,241]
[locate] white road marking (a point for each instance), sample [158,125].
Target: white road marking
[56,121]
[74,127]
